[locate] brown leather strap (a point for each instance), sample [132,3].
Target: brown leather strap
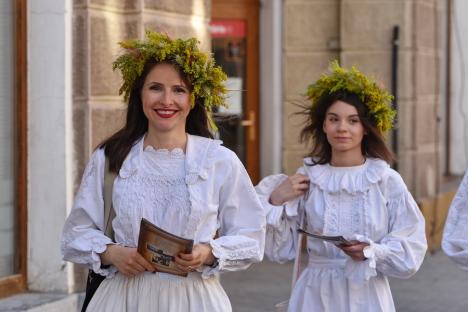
[109,212]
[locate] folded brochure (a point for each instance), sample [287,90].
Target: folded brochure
[160,247]
[337,240]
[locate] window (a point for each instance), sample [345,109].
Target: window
[13,147]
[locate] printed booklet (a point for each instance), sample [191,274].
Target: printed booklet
[160,247]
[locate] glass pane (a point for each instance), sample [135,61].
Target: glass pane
[229,46]
[7,146]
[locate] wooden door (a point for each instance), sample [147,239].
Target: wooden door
[235,44]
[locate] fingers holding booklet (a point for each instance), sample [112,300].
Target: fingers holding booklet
[353,248]
[126,259]
[200,255]
[161,248]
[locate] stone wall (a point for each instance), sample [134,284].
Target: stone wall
[98,25]
[359,32]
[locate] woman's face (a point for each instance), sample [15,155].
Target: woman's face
[343,128]
[166,100]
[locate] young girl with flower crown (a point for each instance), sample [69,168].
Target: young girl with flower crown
[345,188]
[171,172]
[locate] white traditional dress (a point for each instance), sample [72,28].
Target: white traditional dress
[191,195]
[455,239]
[369,203]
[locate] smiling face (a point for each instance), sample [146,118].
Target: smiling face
[166,100]
[343,128]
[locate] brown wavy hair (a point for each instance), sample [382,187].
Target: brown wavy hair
[118,145]
[372,145]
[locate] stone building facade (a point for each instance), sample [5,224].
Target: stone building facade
[73,43]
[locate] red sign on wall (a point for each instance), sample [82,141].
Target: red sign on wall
[227,29]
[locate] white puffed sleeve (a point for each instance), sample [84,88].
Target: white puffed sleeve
[455,239]
[399,253]
[82,239]
[282,221]
[241,220]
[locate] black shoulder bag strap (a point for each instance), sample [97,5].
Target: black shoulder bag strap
[94,279]
[109,212]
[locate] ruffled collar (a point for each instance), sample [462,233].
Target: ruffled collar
[196,160]
[164,152]
[350,179]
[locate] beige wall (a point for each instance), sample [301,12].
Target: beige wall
[359,32]
[97,27]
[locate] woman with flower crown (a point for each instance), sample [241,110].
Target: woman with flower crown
[171,172]
[345,188]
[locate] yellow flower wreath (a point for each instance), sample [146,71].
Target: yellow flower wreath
[206,78]
[377,100]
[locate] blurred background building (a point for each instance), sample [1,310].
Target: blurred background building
[59,99]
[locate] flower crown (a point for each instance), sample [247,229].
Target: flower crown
[206,78]
[376,99]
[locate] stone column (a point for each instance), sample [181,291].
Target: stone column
[49,145]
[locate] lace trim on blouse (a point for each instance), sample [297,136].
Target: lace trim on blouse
[344,188]
[158,192]
[350,179]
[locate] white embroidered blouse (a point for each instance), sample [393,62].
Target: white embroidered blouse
[191,195]
[455,239]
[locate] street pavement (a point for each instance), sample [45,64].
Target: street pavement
[439,286]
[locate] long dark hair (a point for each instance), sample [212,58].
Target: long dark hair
[118,145]
[372,145]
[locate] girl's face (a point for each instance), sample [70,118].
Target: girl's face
[166,100]
[343,128]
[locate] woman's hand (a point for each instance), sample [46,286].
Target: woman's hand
[201,255]
[126,259]
[355,250]
[294,186]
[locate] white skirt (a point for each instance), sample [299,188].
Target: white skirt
[324,287]
[160,292]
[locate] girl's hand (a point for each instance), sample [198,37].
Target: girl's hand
[294,186]
[355,250]
[126,259]
[201,255]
